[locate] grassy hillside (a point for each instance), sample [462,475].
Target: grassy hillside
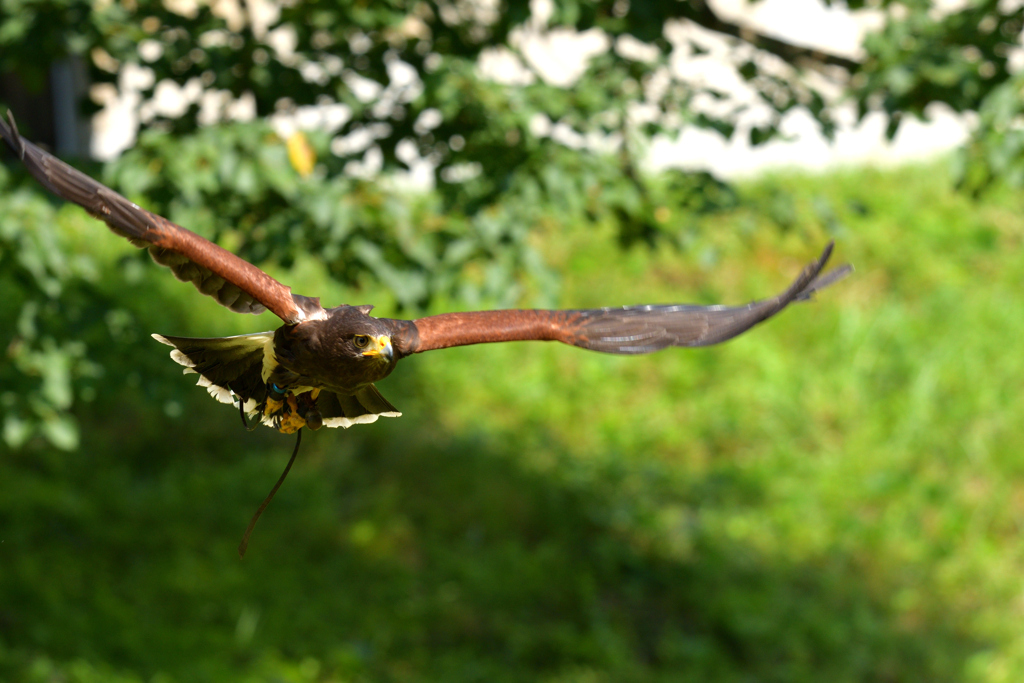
[835,496]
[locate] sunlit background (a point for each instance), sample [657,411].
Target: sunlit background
[837,495]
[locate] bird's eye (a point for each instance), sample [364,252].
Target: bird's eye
[360,340]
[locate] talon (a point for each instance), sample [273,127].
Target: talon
[291,421]
[291,424]
[273,407]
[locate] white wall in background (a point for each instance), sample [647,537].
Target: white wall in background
[559,56]
[810,23]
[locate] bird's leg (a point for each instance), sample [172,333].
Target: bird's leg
[275,400]
[291,420]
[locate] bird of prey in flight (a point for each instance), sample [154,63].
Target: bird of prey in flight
[319,368]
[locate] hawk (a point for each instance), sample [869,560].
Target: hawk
[320,367]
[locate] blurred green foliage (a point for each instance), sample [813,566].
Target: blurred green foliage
[834,496]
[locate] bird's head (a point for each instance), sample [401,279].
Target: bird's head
[346,351]
[355,339]
[373,347]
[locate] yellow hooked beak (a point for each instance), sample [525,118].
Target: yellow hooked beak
[380,346]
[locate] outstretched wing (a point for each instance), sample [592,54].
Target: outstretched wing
[627,330]
[214,271]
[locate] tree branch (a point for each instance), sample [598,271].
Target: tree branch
[703,15]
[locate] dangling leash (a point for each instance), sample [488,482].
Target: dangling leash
[259,511]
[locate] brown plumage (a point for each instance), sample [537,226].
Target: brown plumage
[319,368]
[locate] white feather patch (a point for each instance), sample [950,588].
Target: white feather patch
[220,393]
[346,422]
[318,315]
[181,359]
